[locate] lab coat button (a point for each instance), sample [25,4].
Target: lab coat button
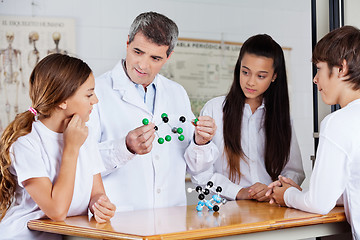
[157,157]
[158,190]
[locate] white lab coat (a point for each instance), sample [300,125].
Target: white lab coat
[153,180]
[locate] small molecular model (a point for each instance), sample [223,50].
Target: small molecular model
[176,130]
[210,204]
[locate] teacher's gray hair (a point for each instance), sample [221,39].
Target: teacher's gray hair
[157,28]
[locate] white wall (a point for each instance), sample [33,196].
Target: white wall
[351,13]
[322,20]
[102,28]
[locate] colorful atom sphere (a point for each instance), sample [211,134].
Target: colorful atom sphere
[165,119]
[181,137]
[168,138]
[161,140]
[180,130]
[164,115]
[145,121]
[196,120]
[182,119]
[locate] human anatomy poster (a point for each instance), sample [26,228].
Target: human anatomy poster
[205,68]
[24,41]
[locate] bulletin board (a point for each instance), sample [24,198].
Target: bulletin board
[205,68]
[24,41]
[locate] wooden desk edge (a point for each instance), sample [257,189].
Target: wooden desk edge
[59,228]
[221,231]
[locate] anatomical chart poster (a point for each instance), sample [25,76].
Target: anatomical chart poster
[24,41]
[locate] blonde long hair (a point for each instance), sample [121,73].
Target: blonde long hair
[54,79]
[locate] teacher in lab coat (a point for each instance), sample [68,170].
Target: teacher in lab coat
[145,161]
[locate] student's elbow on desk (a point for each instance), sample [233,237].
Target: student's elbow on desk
[322,204]
[57,215]
[322,209]
[308,202]
[312,209]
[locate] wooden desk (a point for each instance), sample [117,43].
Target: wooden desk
[245,219]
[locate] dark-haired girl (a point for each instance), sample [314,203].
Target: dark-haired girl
[255,137]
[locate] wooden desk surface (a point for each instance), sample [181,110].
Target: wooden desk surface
[236,217]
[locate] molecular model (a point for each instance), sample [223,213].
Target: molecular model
[176,130]
[214,203]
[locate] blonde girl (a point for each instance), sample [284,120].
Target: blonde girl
[49,168]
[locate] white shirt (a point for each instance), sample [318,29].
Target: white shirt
[148,95]
[153,180]
[39,154]
[337,168]
[253,169]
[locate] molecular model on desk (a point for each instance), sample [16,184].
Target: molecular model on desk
[214,203]
[176,130]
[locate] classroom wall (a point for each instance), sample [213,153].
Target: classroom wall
[322,20]
[351,13]
[102,28]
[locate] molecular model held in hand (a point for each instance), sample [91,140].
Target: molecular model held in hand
[176,130]
[214,203]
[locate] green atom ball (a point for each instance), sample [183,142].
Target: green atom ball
[168,138]
[195,121]
[145,121]
[181,137]
[180,130]
[160,140]
[164,115]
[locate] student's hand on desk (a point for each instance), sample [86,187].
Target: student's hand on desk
[205,130]
[243,194]
[103,209]
[271,186]
[278,188]
[278,183]
[258,191]
[140,139]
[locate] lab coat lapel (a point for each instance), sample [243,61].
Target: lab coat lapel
[160,101]
[131,96]
[126,88]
